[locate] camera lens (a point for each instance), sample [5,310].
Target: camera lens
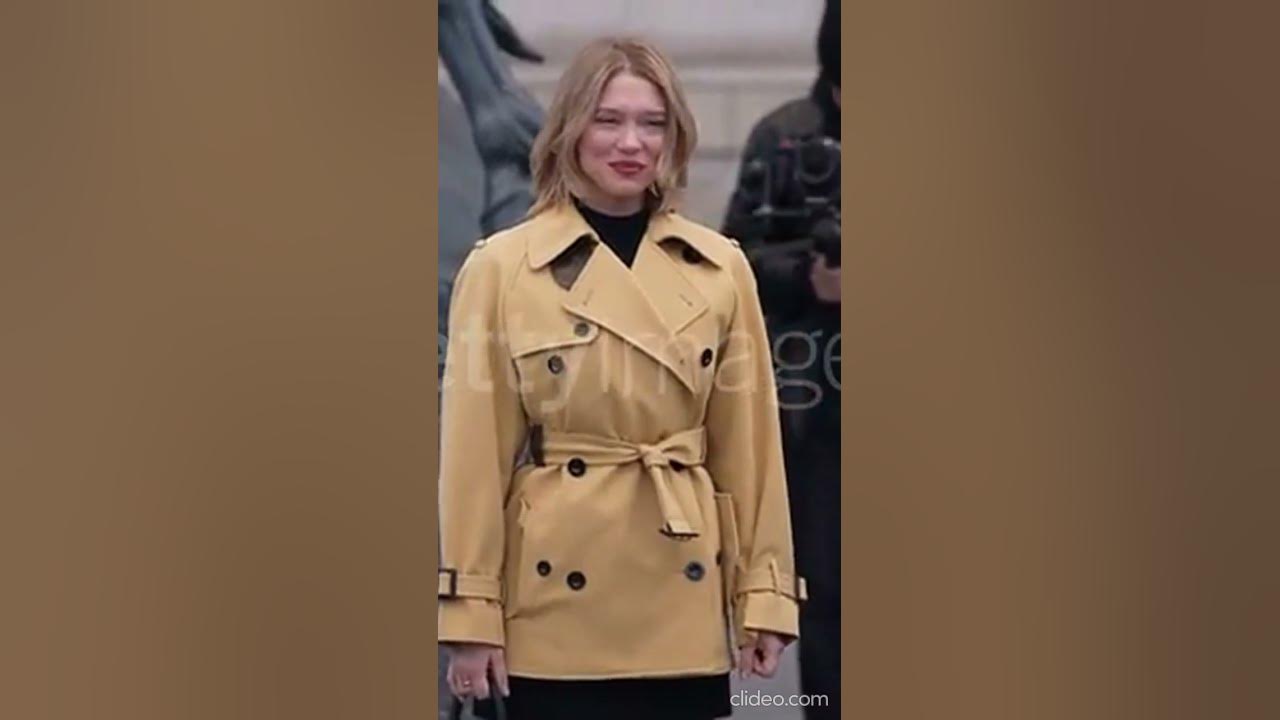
[819,161]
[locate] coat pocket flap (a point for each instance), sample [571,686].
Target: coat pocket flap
[529,341]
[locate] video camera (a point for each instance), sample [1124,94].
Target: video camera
[795,191]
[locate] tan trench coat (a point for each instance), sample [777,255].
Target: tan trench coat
[612,495]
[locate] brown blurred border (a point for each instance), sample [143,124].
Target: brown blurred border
[217,401]
[1061,425]
[217,349]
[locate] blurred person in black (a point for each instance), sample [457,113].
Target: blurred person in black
[785,212]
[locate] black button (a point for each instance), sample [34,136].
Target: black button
[691,256]
[555,364]
[694,571]
[544,568]
[677,465]
[576,580]
[577,467]
[707,355]
[581,329]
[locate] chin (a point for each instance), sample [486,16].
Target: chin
[628,189]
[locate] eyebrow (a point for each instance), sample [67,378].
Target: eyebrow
[643,113]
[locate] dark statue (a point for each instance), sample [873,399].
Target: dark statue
[485,140]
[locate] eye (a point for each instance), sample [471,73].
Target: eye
[606,120]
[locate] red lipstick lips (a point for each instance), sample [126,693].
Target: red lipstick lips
[626,167]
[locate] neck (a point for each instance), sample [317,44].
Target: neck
[618,207]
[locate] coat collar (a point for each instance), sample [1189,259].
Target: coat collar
[557,229]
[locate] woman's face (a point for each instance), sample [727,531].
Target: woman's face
[620,149]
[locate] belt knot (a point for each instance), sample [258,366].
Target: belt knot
[653,456]
[677,500]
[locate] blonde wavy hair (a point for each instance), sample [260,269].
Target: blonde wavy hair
[557,174]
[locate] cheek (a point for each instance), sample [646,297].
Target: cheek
[653,146]
[655,157]
[592,156]
[593,145]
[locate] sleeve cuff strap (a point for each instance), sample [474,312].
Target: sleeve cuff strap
[769,611]
[453,584]
[771,579]
[470,621]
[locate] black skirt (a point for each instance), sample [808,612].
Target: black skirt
[693,698]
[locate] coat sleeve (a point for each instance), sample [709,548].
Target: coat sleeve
[744,455]
[483,426]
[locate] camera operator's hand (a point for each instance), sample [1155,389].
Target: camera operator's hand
[825,279]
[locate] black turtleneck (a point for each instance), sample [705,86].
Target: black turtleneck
[622,233]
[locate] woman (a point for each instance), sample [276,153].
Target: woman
[614,521]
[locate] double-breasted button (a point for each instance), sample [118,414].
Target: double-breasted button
[707,356]
[555,364]
[691,256]
[694,571]
[544,568]
[576,580]
[577,467]
[581,329]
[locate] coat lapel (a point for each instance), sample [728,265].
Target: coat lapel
[647,305]
[608,294]
[663,267]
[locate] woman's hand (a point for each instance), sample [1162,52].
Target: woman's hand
[468,673]
[761,657]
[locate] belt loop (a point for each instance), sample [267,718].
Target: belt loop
[536,446]
[453,582]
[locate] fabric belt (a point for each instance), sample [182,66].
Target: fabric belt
[661,461]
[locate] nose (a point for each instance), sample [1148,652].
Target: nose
[630,138]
